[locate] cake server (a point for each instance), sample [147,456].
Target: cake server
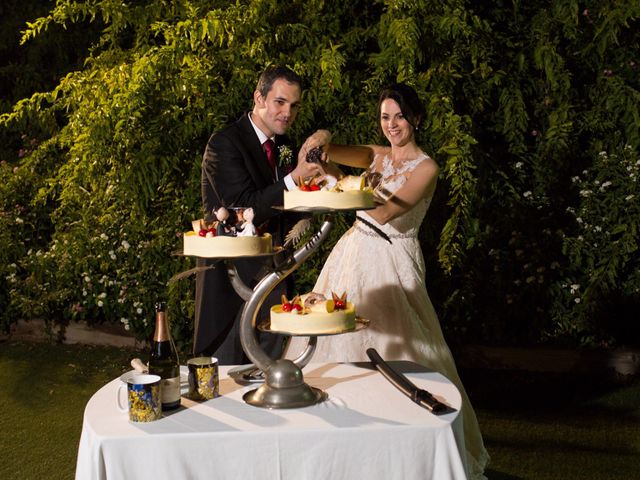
[402,383]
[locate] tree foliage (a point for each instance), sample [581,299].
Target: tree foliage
[520,97]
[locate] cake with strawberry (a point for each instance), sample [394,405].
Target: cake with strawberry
[220,239]
[348,193]
[313,314]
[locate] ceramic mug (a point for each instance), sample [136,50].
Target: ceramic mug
[203,378]
[143,397]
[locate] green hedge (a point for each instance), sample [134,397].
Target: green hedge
[529,107]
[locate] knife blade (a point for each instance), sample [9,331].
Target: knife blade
[417,395]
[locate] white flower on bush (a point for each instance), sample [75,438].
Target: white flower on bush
[139,311]
[84,293]
[87,279]
[103,295]
[100,303]
[574,288]
[527,194]
[629,197]
[577,299]
[103,236]
[579,219]
[519,165]
[19,221]
[125,245]
[585,193]
[112,254]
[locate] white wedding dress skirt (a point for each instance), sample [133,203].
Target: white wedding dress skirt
[386,283]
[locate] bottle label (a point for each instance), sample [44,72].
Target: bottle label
[170,389]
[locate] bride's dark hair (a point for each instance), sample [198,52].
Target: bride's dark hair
[408,100]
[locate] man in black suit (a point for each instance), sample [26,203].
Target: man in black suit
[236,172]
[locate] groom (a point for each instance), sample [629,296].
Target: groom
[237,172]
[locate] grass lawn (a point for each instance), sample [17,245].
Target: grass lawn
[535,426]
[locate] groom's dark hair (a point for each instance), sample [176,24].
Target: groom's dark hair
[408,100]
[271,74]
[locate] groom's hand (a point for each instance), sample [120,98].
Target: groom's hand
[306,170]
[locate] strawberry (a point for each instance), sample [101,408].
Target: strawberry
[339,302]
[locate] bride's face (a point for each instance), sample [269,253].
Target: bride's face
[395,127]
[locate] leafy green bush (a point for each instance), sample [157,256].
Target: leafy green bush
[520,97]
[601,281]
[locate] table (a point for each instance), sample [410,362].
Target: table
[365,429]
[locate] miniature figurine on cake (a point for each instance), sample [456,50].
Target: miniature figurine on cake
[247,229]
[222,228]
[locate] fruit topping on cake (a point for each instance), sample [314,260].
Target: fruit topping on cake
[339,302]
[294,305]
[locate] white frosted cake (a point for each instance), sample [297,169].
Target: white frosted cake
[223,246]
[347,193]
[312,314]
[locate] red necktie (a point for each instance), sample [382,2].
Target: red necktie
[269,149]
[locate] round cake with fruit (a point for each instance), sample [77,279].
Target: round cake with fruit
[348,193]
[313,314]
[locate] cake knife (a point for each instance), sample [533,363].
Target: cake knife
[402,383]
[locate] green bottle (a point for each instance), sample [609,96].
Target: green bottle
[164,360]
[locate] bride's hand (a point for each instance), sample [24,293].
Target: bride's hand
[320,138]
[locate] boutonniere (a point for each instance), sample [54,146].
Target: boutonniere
[285,155]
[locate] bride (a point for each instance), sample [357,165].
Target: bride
[385,277]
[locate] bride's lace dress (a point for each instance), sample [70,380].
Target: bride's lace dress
[386,282]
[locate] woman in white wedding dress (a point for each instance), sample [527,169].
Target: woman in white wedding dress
[386,281]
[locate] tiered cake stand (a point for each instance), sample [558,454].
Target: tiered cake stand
[283,384]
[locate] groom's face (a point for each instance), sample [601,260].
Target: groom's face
[275,112]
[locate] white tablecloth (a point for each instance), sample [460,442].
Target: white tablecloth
[366,429]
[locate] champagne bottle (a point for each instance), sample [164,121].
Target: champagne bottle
[164,361]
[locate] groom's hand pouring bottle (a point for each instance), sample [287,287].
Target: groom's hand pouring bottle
[164,360]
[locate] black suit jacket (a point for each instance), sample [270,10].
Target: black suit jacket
[235,173]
